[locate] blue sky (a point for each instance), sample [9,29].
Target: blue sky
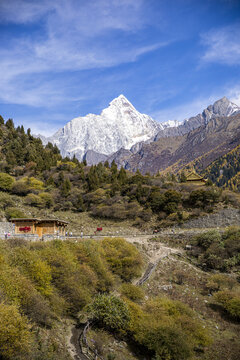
[61,59]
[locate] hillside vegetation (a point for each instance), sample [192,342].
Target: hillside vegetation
[36,180]
[225,171]
[42,283]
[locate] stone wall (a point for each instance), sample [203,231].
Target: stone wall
[6,227]
[223,218]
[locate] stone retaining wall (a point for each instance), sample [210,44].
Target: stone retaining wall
[223,218]
[6,227]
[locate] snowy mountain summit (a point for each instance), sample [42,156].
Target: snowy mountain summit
[118,126]
[121,126]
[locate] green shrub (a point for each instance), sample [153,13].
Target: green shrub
[123,258]
[20,188]
[13,212]
[6,181]
[34,200]
[15,336]
[168,343]
[230,301]
[218,282]
[168,328]
[132,292]
[110,311]
[47,199]
[206,239]
[6,200]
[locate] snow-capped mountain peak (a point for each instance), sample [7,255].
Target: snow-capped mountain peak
[120,125]
[220,108]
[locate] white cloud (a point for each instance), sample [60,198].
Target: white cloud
[223,45]
[23,11]
[184,111]
[233,93]
[74,35]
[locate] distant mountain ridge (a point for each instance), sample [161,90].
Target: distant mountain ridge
[222,107]
[123,134]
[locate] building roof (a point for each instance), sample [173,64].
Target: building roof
[39,220]
[194,176]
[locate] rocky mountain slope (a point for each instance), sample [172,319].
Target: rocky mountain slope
[205,137]
[222,107]
[118,126]
[135,140]
[204,145]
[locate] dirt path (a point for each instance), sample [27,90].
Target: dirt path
[73,343]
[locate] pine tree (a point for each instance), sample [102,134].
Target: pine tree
[114,171]
[80,204]
[66,187]
[122,176]
[10,124]
[60,180]
[92,179]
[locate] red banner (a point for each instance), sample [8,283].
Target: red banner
[25,228]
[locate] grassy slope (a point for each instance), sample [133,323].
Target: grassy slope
[188,284]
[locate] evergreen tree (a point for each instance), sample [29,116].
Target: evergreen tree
[114,171]
[80,204]
[92,179]
[10,158]
[10,124]
[114,187]
[66,187]
[60,180]
[1,120]
[122,176]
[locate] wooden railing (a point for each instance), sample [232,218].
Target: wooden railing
[86,349]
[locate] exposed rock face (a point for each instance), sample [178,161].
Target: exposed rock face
[93,158]
[118,126]
[136,141]
[222,107]
[206,143]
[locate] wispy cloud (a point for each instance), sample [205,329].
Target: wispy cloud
[233,93]
[223,45]
[184,111]
[74,35]
[195,107]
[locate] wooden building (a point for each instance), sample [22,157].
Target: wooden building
[194,178]
[40,227]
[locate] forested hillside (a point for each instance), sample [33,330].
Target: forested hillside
[34,178]
[224,172]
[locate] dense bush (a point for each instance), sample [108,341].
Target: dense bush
[168,328]
[12,212]
[15,336]
[219,251]
[39,282]
[6,181]
[230,301]
[132,292]
[203,198]
[122,257]
[110,311]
